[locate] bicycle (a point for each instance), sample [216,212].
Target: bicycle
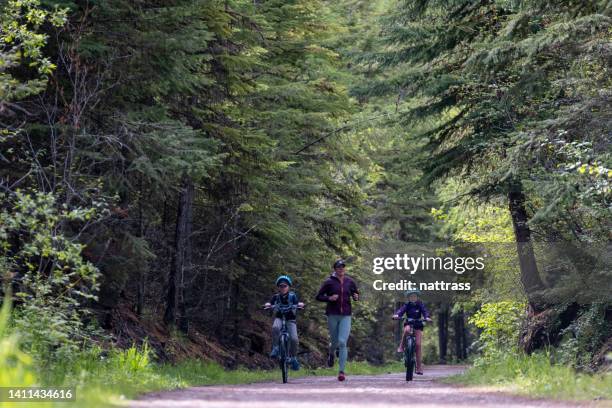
[283,341]
[410,348]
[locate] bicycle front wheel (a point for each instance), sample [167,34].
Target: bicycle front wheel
[284,358]
[409,358]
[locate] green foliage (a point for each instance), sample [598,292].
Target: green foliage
[511,89]
[535,375]
[53,282]
[15,366]
[489,225]
[584,338]
[133,361]
[21,44]
[492,95]
[500,324]
[50,264]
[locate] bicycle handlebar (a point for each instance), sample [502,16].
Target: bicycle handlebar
[409,319]
[284,308]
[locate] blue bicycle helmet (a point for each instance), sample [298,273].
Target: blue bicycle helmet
[284,278]
[410,292]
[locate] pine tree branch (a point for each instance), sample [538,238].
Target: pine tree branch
[340,129]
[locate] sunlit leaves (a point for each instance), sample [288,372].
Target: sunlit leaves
[21,43]
[52,279]
[500,324]
[44,251]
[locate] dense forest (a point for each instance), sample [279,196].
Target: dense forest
[162,162]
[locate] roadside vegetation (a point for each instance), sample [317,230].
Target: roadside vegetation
[103,378]
[537,375]
[548,373]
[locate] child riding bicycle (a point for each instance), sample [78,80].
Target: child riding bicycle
[285,298]
[414,309]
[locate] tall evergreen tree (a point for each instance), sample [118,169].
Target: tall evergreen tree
[492,75]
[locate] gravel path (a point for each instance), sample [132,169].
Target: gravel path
[360,391]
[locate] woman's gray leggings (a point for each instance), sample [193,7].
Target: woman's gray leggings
[339,330]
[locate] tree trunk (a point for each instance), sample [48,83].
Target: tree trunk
[233,312]
[530,279]
[375,353]
[399,326]
[464,338]
[181,257]
[141,271]
[459,328]
[443,332]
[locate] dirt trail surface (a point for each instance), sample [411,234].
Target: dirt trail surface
[359,391]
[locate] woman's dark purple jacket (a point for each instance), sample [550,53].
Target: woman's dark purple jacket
[332,286]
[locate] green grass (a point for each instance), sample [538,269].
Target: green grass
[536,376]
[106,381]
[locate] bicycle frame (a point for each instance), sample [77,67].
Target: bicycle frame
[283,356]
[410,349]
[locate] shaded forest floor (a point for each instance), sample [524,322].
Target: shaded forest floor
[248,349]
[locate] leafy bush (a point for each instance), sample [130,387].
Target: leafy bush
[21,39]
[54,282]
[584,337]
[500,323]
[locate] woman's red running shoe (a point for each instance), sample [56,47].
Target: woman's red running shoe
[341,376]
